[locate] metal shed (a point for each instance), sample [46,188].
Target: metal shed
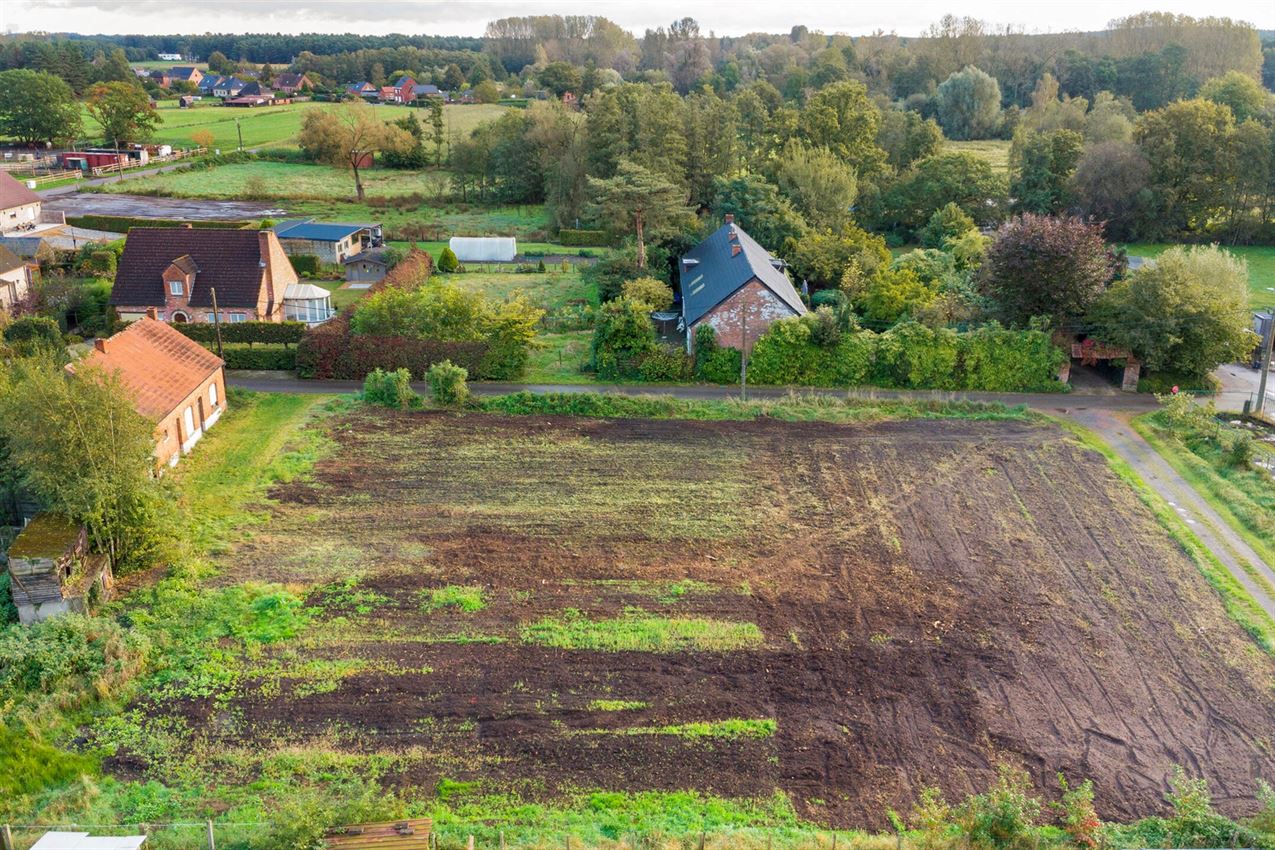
[484,249]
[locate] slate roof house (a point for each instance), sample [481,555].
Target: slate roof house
[401,90]
[364,90]
[209,83]
[228,87]
[174,382]
[292,83]
[175,270]
[19,206]
[733,284]
[427,90]
[186,74]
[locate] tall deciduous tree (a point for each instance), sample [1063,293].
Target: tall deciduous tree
[348,136]
[1187,312]
[969,104]
[820,185]
[1043,266]
[124,112]
[636,200]
[37,107]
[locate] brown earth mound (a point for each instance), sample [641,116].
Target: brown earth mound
[934,598]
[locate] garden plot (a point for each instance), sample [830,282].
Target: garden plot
[543,605]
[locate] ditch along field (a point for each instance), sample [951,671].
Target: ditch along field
[528,608]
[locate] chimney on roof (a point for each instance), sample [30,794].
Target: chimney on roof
[152,313]
[730,218]
[735,249]
[100,344]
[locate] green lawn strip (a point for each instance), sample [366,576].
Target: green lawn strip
[616,705]
[558,358]
[994,151]
[1220,493]
[466,598]
[637,631]
[1260,259]
[734,728]
[1239,604]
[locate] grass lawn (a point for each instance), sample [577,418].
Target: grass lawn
[549,290]
[431,224]
[995,151]
[557,359]
[277,126]
[1261,266]
[341,298]
[279,180]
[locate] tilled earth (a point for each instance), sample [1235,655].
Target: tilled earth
[936,597]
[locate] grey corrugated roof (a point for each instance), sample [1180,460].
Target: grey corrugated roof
[716,274]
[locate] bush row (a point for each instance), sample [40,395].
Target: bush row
[908,356]
[260,357]
[331,351]
[584,238]
[122,224]
[283,333]
[305,263]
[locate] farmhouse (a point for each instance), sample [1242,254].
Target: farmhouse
[292,83]
[331,242]
[174,381]
[176,270]
[186,74]
[364,90]
[161,79]
[19,206]
[51,571]
[427,90]
[228,87]
[209,83]
[734,285]
[401,91]
[15,279]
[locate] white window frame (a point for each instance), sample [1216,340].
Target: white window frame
[188,419]
[212,394]
[176,287]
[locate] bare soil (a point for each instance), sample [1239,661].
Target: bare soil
[936,597]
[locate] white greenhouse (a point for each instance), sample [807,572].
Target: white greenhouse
[484,249]
[305,302]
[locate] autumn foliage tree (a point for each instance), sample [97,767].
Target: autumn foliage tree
[348,136]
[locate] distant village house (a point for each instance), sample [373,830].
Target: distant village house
[19,206]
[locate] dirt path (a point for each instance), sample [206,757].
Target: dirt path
[1222,540]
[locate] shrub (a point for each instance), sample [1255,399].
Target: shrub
[272,358]
[896,292]
[655,294]
[584,238]
[1004,817]
[447,261]
[305,264]
[948,222]
[33,333]
[622,337]
[713,363]
[331,351]
[1079,818]
[122,224]
[665,363]
[995,359]
[279,333]
[447,384]
[912,356]
[390,389]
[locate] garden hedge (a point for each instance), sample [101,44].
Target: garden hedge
[281,333]
[260,357]
[584,238]
[331,351]
[122,224]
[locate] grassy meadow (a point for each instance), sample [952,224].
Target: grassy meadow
[995,151]
[1260,259]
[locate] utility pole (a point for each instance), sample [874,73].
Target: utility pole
[743,352]
[1267,339]
[239,130]
[216,323]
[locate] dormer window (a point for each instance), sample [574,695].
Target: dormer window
[175,287]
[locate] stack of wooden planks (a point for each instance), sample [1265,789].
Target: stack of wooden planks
[410,834]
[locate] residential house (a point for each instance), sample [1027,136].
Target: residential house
[228,87]
[252,94]
[734,285]
[186,74]
[161,79]
[291,84]
[177,270]
[365,90]
[15,279]
[174,381]
[209,83]
[367,266]
[331,242]
[51,571]
[427,90]
[401,90]
[19,206]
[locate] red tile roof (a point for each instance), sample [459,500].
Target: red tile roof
[15,194]
[232,261]
[159,366]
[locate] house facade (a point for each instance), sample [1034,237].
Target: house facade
[19,206]
[228,87]
[290,84]
[172,380]
[15,279]
[186,74]
[402,90]
[734,285]
[177,271]
[367,266]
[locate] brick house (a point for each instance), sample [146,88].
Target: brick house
[733,284]
[186,74]
[402,90]
[19,206]
[291,84]
[174,382]
[176,269]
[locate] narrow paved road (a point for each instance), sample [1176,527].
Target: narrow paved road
[1214,532]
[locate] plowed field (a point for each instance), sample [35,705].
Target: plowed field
[845,613]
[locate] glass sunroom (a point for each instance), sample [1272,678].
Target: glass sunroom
[305,302]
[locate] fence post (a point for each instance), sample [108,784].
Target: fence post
[212,841]
[470,844]
[502,840]
[6,838]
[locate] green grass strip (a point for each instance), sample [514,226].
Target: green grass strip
[636,631]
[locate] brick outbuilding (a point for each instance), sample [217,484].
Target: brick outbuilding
[732,283]
[174,382]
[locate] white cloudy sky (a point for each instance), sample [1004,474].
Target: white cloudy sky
[468,17]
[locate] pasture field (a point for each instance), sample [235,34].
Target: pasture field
[497,616]
[277,126]
[269,180]
[1260,259]
[995,151]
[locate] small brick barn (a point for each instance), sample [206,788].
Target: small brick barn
[174,382]
[732,283]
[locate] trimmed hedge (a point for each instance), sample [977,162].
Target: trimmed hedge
[305,263]
[260,357]
[584,238]
[281,333]
[121,223]
[331,351]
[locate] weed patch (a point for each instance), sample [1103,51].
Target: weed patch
[468,599]
[637,631]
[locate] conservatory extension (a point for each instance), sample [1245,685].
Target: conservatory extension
[305,302]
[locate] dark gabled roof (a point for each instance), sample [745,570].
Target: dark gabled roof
[253,88]
[371,255]
[14,193]
[287,80]
[24,246]
[210,82]
[403,80]
[9,260]
[714,273]
[229,260]
[230,82]
[183,72]
[317,231]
